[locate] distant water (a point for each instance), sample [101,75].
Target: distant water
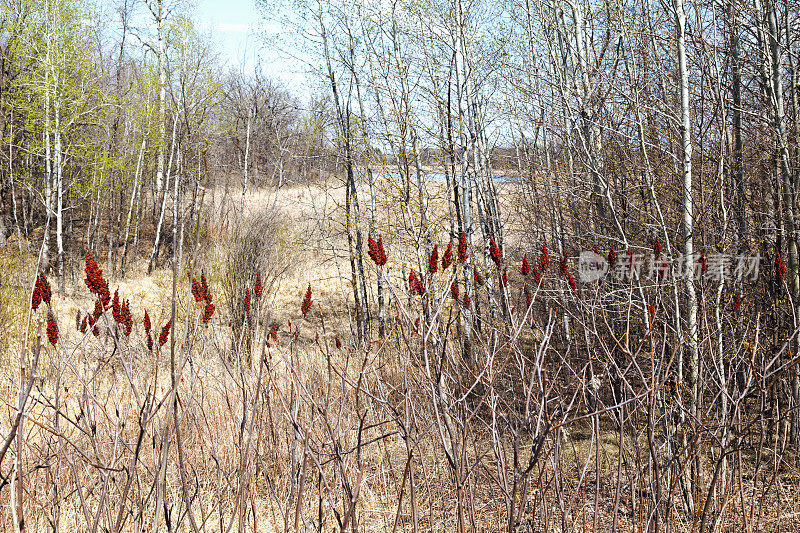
[440,176]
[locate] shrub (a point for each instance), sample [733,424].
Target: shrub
[260,244]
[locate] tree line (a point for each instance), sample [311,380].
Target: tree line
[112,113]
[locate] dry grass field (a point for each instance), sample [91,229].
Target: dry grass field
[289,423]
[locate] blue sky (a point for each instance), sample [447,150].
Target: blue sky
[239,28]
[234,24]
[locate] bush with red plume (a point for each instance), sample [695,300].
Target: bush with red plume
[95,281]
[36,297]
[544,258]
[46,293]
[381,252]
[52,329]
[447,258]
[375,250]
[197,290]
[657,248]
[115,308]
[433,260]
[306,305]
[462,248]
[537,276]
[41,291]
[476,276]
[415,285]
[494,252]
[258,289]
[162,338]
[126,320]
[780,266]
[208,310]
[372,246]
[204,288]
[246,302]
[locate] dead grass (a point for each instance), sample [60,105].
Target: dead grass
[78,456]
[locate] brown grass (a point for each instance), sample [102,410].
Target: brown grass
[309,429]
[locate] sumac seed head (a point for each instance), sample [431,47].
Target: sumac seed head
[162,338]
[462,248]
[208,310]
[780,266]
[433,260]
[197,290]
[125,317]
[45,287]
[544,258]
[494,252]
[204,288]
[381,252]
[571,281]
[36,297]
[306,305]
[115,308]
[415,285]
[537,276]
[52,329]
[477,277]
[258,289]
[447,258]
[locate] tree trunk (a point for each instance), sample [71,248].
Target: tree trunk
[688,221]
[246,162]
[165,190]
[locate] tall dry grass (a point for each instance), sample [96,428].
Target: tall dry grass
[532,426]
